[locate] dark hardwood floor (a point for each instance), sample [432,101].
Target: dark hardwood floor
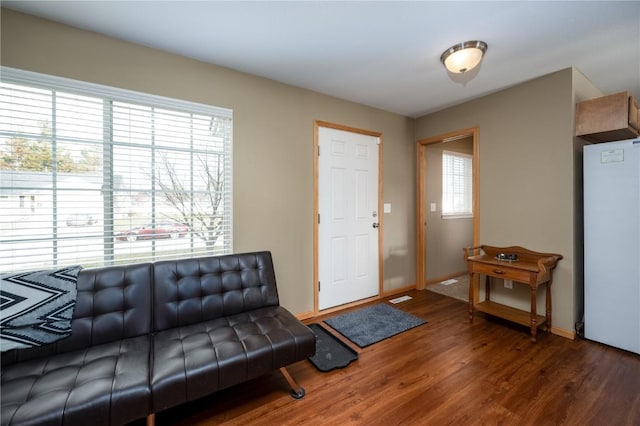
[446,372]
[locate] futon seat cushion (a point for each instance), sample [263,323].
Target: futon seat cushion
[99,385]
[195,360]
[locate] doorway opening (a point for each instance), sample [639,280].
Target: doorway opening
[447,215]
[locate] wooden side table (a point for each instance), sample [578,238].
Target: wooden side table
[530,268]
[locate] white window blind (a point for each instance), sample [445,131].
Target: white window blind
[457,189]
[94,175]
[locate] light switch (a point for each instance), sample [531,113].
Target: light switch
[434,207]
[387,207]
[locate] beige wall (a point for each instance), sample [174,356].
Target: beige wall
[526,176]
[273,141]
[583,89]
[529,160]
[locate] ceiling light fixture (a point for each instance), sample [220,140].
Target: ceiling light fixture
[463,57]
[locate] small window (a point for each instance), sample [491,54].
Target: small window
[457,187]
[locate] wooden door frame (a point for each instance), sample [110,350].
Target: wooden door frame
[421,176]
[316,211]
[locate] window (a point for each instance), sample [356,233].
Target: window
[96,176]
[457,188]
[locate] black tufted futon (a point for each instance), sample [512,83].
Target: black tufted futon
[150,336]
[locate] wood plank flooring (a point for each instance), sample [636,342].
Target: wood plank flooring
[446,372]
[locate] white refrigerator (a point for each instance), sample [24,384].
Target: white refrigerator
[612,244]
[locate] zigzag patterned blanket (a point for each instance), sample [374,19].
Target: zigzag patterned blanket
[36,307]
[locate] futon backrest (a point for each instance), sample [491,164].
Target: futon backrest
[113,303]
[193,290]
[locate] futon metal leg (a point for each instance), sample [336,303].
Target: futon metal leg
[297,391]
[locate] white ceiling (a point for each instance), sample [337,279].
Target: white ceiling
[383,54]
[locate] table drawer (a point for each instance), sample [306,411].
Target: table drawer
[502,271]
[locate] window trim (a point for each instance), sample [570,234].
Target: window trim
[17,76]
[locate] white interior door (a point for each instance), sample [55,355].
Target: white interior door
[348,226]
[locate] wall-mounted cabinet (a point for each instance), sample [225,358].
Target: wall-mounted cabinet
[608,118]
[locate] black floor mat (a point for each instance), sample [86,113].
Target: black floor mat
[331,353]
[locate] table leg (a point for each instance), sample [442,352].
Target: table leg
[487,288]
[549,306]
[534,312]
[472,285]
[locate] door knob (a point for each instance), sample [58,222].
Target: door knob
[376,225]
